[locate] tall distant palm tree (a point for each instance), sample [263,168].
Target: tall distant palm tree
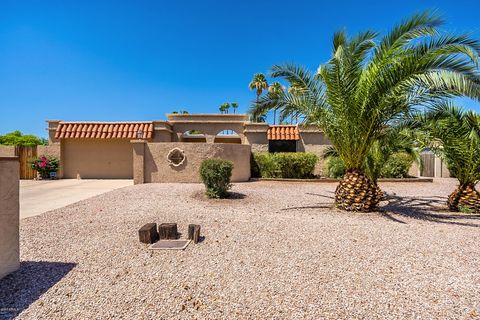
[275,90]
[234,106]
[224,107]
[454,135]
[258,83]
[368,83]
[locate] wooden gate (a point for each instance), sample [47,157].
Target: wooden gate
[428,161]
[25,154]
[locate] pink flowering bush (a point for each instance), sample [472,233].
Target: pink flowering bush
[44,165]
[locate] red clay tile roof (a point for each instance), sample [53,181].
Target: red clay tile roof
[283,132]
[103,130]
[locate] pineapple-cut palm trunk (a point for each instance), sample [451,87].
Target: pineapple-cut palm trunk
[381,195]
[356,192]
[465,196]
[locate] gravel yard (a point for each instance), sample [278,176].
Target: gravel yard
[278,250]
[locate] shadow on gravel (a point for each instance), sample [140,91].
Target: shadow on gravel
[232,196]
[320,205]
[23,287]
[432,209]
[236,195]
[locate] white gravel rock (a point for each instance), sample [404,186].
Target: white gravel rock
[277,251]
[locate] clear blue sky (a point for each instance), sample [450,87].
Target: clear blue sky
[138,60]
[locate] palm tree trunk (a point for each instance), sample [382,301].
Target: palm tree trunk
[465,196]
[356,192]
[274,115]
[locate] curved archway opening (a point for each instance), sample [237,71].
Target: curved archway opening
[193,136]
[228,136]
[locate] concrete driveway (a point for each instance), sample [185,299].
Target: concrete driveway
[37,197]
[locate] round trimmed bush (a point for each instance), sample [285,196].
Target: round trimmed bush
[397,166]
[216,175]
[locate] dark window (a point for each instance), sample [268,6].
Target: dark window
[282,146]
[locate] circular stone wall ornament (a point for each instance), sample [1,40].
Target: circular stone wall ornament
[176,157]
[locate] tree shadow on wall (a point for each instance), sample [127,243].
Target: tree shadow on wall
[23,287]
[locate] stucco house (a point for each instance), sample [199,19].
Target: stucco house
[139,150]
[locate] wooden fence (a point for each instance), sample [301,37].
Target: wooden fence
[428,161]
[25,154]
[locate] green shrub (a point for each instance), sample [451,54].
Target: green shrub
[216,174]
[265,165]
[397,166]
[294,165]
[45,165]
[335,168]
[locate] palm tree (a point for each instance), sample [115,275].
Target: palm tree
[181,112]
[275,90]
[224,107]
[392,141]
[454,135]
[234,106]
[295,88]
[368,83]
[260,117]
[258,83]
[259,112]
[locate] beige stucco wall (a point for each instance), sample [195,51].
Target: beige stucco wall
[7,151]
[414,170]
[208,124]
[210,130]
[51,128]
[162,131]
[156,168]
[441,170]
[256,136]
[49,150]
[9,215]
[314,141]
[258,141]
[97,158]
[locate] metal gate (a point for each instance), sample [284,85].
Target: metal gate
[25,154]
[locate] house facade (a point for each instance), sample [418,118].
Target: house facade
[141,150]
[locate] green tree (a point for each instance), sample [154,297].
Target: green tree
[391,142]
[234,106]
[16,138]
[275,90]
[224,107]
[258,83]
[454,135]
[369,82]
